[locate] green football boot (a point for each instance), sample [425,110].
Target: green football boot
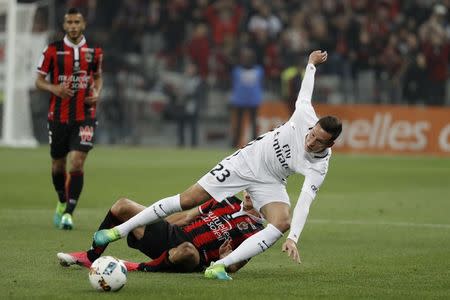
[106,236]
[66,222]
[217,271]
[60,208]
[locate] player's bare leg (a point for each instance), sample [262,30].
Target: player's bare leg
[190,198]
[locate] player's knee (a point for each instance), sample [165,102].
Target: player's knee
[76,165]
[120,207]
[59,166]
[193,196]
[282,225]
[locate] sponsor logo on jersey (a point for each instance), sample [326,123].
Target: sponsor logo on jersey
[282,152]
[78,80]
[62,52]
[219,226]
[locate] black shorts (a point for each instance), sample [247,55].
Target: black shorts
[158,237]
[63,138]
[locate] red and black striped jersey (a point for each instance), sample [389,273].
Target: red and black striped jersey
[219,221]
[64,61]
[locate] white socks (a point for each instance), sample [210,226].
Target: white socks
[151,214]
[253,246]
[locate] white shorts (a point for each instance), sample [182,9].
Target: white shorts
[226,180]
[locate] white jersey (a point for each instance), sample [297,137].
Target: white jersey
[281,152]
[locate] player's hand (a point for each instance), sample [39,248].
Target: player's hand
[93,96]
[225,248]
[63,90]
[317,57]
[290,247]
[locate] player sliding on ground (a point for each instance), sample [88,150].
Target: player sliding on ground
[184,242]
[301,145]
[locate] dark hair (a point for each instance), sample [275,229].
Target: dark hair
[332,125]
[73,11]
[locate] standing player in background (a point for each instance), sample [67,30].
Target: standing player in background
[302,145]
[75,72]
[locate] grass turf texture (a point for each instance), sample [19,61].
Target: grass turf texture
[371,232]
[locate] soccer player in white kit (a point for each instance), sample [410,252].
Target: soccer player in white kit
[301,145]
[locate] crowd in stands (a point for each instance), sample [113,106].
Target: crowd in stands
[403,44]
[379,51]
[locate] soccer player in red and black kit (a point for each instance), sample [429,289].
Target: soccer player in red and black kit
[74,69]
[184,242]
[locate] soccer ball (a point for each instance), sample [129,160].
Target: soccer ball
[108,274]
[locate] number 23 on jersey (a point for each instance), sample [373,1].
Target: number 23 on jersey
[220,173]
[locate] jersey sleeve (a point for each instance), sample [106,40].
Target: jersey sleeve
[311,186]
[207,206]
[46,60]
[98,61]
[299,215]
[304,111]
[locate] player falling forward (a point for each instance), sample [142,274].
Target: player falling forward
[301,145]
[183,242]
[75,72]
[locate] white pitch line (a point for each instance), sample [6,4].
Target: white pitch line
[399,224]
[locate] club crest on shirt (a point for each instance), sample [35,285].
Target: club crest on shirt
[242,226]
[88,57]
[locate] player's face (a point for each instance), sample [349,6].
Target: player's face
[247,201]
[248,205]
[317,140]
[74,26]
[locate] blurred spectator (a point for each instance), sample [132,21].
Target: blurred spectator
[436,51]
[435,23]
[152,39]
[392,65]
[291,79]
[436,48]
[223,59]
[187,97]
[128,26]
[174,33]
[224,17]
[415,81]
[198,49]
[247,92]
[265,20]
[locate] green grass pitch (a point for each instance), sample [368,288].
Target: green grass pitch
[379,228]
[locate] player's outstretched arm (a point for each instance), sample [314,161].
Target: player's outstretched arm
[299,217]
[315,58]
